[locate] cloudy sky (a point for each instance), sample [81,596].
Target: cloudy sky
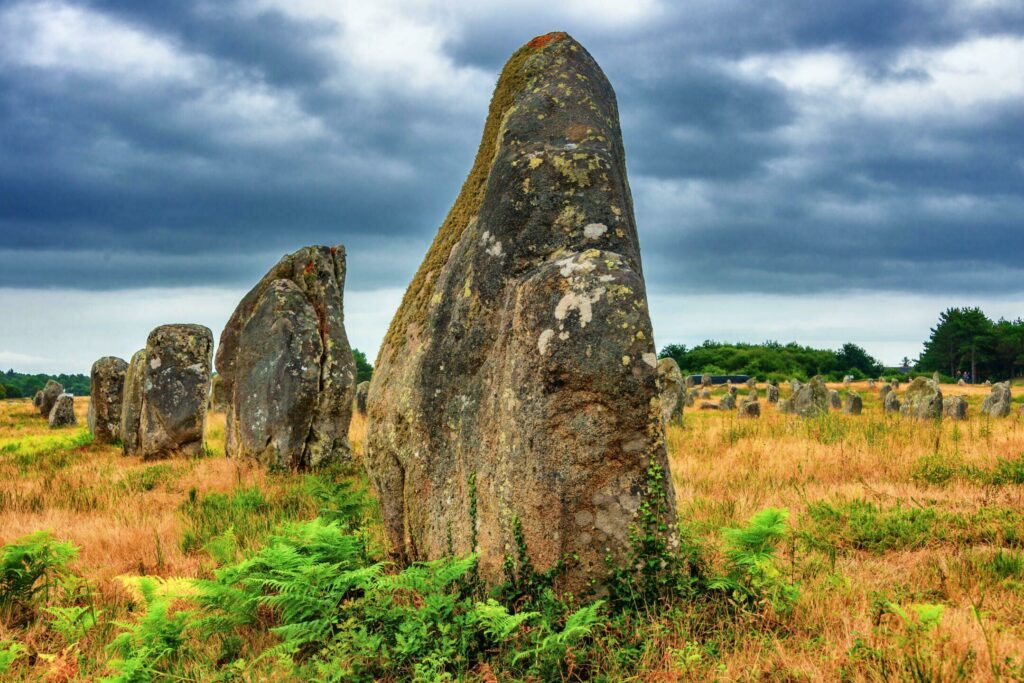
[812,171]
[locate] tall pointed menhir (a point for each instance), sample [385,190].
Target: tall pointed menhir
[518,380]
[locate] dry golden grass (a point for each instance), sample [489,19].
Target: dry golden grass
[126,517]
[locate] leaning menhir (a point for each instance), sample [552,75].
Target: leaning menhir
[107,388]
[167,389]
[63,412]
[286,367]
[518,383]
[50,392]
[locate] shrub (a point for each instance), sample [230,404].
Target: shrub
[32,568]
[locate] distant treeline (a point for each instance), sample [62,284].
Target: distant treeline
[772,360]
[967,340]
[18,385]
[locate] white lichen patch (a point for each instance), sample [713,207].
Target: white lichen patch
[494,249]
[155,363]
[594,230]
[579,301]
[544,339]
[571,266]
[651,359]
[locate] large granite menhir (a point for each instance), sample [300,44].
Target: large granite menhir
[520,371]
[107,389]
[285,366]
[166,392]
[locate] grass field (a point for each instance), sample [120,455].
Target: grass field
[905,546]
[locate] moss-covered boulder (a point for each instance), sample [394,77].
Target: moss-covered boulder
[922,399]
[286,366]
[167,390]
[105,398]
[518,384]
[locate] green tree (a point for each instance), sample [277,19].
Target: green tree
[364,371]
[963,338]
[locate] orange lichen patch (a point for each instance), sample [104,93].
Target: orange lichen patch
[309,267]
[547,38]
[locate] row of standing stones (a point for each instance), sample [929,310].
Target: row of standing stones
[517,390]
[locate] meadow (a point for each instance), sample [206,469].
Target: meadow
[860,548]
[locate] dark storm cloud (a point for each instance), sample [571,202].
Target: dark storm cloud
[742,181]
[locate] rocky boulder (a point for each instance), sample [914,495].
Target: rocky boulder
[362,393]
[922,399]
[705,380]
[37,400]
[749,407]
[105,396]
[835,400]
[167,389]
[62,414]
[286,366]
[752,383]
[673,391]
[727,402]
[708,405]
[997,403]
[811,399]
[49,396]
[518,383]
[853,404]
[891,402]
[883,391]
[954,407]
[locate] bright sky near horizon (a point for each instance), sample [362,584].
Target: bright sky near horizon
[807,171]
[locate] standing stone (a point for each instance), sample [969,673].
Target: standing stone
[519,371]
[988,383]
[922,399]
[835,400]
[895,384]
[131,403]
[63,412]
[105,396]
[853,404]
[732,390]
[961,382]
[286,365]
[175,390]
[673,391]
[883,392]
[786,406]
[773,393]
[811,399]
[751,383]
[749,407]
[691,397]
[49,396]
[936,377]
[891,402]
[954,407]
[219,398]
[871,384]
[794,385]
[705,380]
[705,393]
[37,400]
[689,381]
[362,392]
[847,381]
[727,402]
[997,403]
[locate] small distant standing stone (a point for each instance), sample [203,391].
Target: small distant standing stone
[936,378]
[853,405]
[749,407]
[752,383]
[728,401]
[961,383]
[708,405]
[811,399]
[49,396]
[689,381]
[835,400]
[362,391]
[997,403]
[895,385]
[884,391]
[954,407]
[705,380]
[988,383]
[871,384]
[847,381]
[705,393]
[773,393]
[795,385]
[37,400]
[63,412]
[892,402]
[732,390]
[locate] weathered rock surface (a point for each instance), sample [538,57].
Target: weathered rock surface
[954,407]
[794,385]
[219,398]
[167,389]
[751,382]
[705,380]
[105,396]
[847,381]
[772,393]
[673,391]
[727,402]
[883,391]
[936,377]
[997,403]
[811,399]
[520,364]
[871,384]
[708,405]
[49,396]
[691,396]
[62,414]
[286,365]
[362,393]
[732,390]
[37,400]
[853,404]
[891,402]
[922,399]
[835,400]
[961,383]
[689,381]
[705,393]
[895,384]
[749,407]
